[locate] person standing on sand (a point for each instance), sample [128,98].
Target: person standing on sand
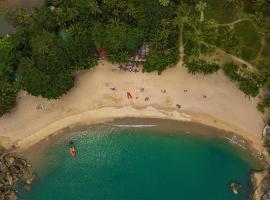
[129,96]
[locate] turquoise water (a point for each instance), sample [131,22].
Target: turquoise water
[140,164]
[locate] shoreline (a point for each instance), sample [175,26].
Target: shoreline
[158,125]
[101,115]
[213,101]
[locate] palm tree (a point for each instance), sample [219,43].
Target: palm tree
[164,2]
[66,16]
[181,18]
[131,10]
[200,7]
[94,8]
[159,39]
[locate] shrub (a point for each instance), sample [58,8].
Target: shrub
[249,86]
[120,57]
[231,69]
[201,66]
[263,104]
[8,92]
[159,60]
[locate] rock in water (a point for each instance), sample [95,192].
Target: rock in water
[30,180]
[235,187]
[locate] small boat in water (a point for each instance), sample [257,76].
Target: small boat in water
[235,187]
[72,149]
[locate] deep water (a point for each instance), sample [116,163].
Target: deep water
[140,164]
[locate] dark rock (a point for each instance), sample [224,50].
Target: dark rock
[266,196]
[12,170]
[29,165]
[21,162]
[9,160]
[11,196]
[9,179]
[3,168]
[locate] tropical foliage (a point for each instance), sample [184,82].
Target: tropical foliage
[201,66]
[54,40]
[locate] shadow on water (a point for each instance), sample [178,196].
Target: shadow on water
[6,5]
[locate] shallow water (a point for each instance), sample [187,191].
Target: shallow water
[133,163]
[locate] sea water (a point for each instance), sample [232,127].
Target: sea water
[141,164]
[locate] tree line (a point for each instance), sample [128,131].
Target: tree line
[55,40]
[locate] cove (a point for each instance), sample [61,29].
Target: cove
[141,163]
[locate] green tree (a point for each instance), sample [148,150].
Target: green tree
[200,7]
[8,92]
[249,87]
[164,2]
[94,7]
[264,104]
[67,16]
[43,18]
[231,70]
[37,82]
[115,35]
[158,60]
[135,38]
[201,66]
[235,3]
[159,39]
[7,57]
[20,17]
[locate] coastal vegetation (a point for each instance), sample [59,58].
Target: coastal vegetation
[54,41]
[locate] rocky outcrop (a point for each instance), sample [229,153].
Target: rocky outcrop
[261,180]
[13,170]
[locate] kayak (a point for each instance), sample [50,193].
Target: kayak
[72,150]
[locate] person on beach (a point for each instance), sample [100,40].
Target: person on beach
[129,96]
[146,99]
[163,91]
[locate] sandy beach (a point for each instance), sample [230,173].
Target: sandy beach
[100,94]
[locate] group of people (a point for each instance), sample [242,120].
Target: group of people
[147,98]
[130,67]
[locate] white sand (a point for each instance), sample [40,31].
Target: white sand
[92,100]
